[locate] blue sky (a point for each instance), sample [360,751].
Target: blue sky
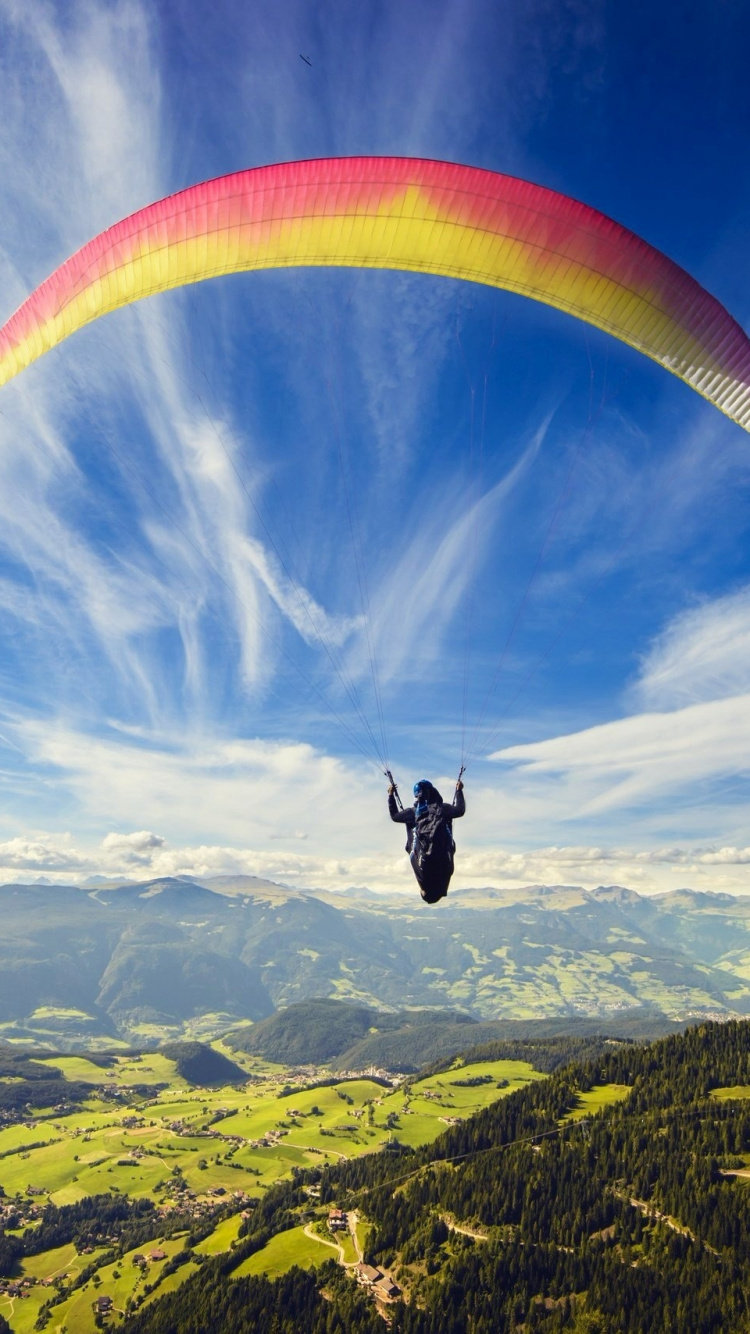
[179,482]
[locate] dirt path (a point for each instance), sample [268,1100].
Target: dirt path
[465,1231]
[649,1211]
[336,1246]
[66,1270]
[353,1219]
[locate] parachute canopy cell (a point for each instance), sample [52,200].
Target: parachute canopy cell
[400,213]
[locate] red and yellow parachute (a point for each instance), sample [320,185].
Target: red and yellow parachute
[400,213]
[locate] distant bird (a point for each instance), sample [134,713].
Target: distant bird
[307,62]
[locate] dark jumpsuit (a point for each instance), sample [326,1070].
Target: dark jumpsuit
[434,884]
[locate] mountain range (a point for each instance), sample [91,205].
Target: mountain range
[179,957]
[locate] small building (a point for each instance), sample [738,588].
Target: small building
[103,1304]
[158,1254]
[337,1220]
[385,1287]
[367,1274]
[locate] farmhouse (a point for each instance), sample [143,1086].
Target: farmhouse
[367,1274]
[337,1220]
[378,1282]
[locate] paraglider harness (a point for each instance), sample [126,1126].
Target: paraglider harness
[430,843]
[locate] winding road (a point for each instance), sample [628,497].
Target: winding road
[352,1220]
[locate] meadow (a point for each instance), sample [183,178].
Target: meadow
[736,1092]
[596,1098]
[152,1129]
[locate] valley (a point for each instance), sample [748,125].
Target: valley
[201,1159]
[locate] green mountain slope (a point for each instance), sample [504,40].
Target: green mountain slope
[321,1031]
[633,1219]
[357,1037]
[171,958]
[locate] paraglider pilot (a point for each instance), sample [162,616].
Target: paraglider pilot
[429,839]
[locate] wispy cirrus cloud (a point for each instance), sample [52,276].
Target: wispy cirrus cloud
[195,554]
[703,654]
[691,728]
[180,541]
[415,604]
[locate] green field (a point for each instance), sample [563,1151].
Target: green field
[284,1250]
[121,1281]
[21,1313]
[349,1256]
[427,1106]
[600,1096]
[737,1092]
[221,1238]
[92,1152]
[125,1071]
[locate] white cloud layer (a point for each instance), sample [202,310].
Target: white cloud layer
[638,759]
[144,856]
[696,674]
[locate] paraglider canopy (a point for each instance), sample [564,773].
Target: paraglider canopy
[400,213]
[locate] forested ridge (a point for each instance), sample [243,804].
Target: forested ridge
[354,1036]
[200,1064]
[544,1054]
[621,1222]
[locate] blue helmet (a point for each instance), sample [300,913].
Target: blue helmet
[419,787]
